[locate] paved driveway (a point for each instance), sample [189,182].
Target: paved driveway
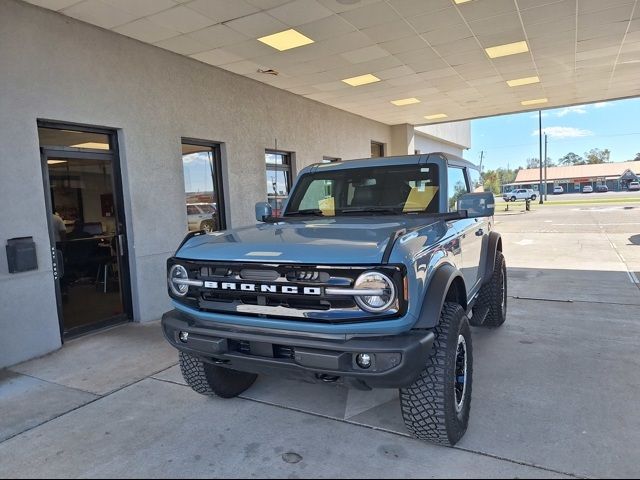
[555,390]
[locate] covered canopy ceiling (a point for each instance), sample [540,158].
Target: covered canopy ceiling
[433,58]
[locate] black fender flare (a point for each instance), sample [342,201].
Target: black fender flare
[493,246]
[436,295]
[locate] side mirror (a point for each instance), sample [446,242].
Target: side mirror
[480,204]
[263,211]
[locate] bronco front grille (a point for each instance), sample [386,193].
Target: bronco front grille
[281,291]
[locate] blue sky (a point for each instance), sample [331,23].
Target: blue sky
[508,140]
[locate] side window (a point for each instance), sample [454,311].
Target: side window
[192,210]
[475,180]
[456,186]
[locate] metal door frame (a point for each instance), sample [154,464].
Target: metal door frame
[48,151]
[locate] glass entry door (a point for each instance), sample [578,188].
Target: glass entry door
[87,236]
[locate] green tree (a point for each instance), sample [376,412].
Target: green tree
[595,155]
[571,159]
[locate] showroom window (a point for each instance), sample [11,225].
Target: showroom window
[377,149]
[278,167]
[203,191]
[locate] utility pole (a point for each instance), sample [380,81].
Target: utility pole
[540,145]
[546,185]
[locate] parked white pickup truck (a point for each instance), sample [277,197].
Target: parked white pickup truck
[519,194]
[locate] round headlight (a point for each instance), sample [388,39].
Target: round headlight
[375,281]
[178,272]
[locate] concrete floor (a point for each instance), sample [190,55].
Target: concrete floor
[554,392]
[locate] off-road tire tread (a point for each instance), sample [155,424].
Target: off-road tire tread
[208,379]
[423,403]
[489,296]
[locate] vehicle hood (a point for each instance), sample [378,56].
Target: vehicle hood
[321,241]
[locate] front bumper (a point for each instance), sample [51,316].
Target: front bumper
[396,360]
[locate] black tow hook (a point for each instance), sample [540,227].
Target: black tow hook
[327,378]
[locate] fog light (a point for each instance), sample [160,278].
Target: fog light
[183,336]
[363,360]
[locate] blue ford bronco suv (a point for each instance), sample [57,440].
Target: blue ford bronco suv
[371,277]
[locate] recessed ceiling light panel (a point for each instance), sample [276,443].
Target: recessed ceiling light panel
[435,116]
[507,49]
[405,101]
[361,80]
[523,81]
[534,102]
[286,40]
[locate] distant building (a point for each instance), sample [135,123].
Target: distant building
[616,176]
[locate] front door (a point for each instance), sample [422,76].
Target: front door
[86,228]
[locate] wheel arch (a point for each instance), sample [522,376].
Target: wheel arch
[494,245]
[447,284]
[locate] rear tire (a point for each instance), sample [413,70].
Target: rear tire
[208,379]
[533,197]
[436,406]
[493,296]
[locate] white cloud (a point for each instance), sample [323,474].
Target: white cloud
[567,110]
[600,104]
[563,132]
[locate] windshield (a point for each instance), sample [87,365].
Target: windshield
[374,190]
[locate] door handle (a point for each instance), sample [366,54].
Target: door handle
[120,245]
[479,232]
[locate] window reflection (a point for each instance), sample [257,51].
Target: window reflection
[278,178]
[202,186]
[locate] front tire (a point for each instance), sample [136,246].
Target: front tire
[513,199]
[492,297]
[436,406]
[533,197]
[208,379]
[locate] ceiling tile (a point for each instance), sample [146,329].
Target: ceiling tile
[590,6]
[483,9]
[222,10]
[326,28]
[217,56]
[249,49]
[54,4]
[182,19]
[436,20]
[99,13]
[218,36]
[181,44]
[300,12]
[142,8]
[146,31]
[409,8]
[364,54]
[257,25]
[551,12]
[405,44]
[370,15]
[266,4]
[342,6]
[244,67]
[388,31]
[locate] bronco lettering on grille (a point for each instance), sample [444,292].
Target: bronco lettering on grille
[252,287]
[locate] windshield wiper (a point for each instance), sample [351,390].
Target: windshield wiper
[388,210]
[305,211]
